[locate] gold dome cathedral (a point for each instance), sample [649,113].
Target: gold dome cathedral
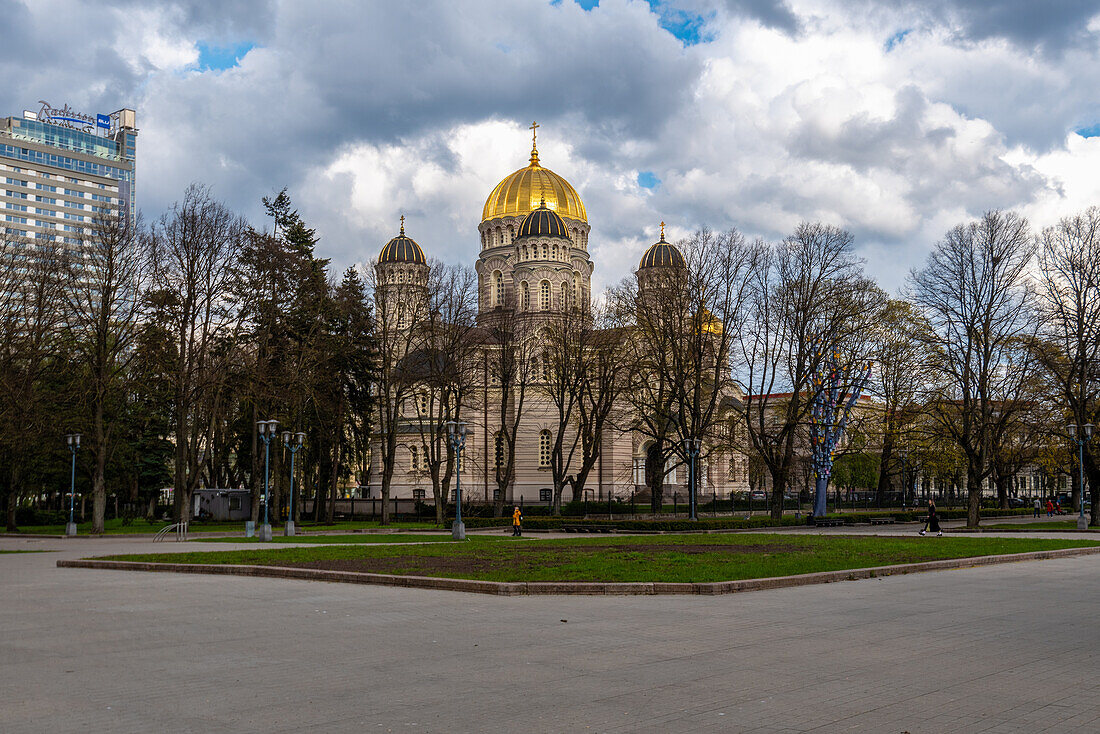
[521,193]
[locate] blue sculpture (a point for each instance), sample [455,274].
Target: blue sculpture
[829,416]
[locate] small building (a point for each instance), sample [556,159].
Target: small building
[220,504]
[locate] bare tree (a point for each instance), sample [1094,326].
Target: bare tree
[400,307]
[194,247]
[108,272]
[685,319]
[509,349]
[808,300]
[974,294]
[1068,347]
[443,368]
[897,382]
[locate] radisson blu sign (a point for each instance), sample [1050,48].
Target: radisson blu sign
[68,117]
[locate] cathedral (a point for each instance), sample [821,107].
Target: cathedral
[534,263]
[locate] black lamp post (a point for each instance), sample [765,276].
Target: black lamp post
[292,446]
[1081,435]
[267,432]
[456,434]
[73,439]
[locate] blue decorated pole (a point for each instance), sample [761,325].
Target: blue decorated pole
[829,417]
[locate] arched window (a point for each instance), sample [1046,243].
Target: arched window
[564,303]
[534,367]
[547,368]
[576,290]
[498,454]
[524,296]
[544,253]
[544,448]
[554,252]
[544,295]
[498,288]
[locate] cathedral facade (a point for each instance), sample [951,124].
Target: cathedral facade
[534,263]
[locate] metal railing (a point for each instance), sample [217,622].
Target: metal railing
[180,529]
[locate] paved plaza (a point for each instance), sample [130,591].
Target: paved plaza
[1007,648]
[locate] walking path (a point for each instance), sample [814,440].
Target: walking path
[994,649]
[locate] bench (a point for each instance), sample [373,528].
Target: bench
[825,522]
[588,528]
[882,521]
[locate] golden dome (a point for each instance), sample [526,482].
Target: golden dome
[521,192]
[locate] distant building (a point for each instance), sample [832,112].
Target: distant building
[61,169]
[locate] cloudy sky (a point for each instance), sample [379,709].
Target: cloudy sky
[894,119]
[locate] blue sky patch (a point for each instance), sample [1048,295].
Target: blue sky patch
[220,58]
[688,27]
[1092,131]
[897,38]
[647,180]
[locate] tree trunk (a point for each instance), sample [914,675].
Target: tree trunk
[973,498]
[884,469]
[1001,482]
[779,488]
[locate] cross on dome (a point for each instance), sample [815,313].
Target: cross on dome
[534,140]
[402,225]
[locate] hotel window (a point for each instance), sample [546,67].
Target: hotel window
[544,449]
[544,295]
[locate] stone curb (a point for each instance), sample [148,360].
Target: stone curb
[520,588]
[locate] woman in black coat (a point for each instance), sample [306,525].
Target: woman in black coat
[933,523]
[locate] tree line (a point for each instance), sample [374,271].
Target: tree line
[163,344]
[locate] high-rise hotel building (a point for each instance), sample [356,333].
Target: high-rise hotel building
[60,170]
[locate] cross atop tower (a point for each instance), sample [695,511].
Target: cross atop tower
[534,140]
[402,225]
[662,231]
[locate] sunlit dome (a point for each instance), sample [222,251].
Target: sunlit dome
[521,192]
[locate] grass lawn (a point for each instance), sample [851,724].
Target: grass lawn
[1060,525]
[672,558]
[116,527]
[43,550]
[350,538]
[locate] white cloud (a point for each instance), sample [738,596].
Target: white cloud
[791,111]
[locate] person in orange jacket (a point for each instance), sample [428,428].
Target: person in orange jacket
[517,522]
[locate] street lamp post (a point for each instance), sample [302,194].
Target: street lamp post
[456,434]
[299,439]
[73,439]
[267,432]
[691,447]
[1081,435]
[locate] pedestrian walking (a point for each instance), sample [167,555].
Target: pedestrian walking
[1038,506]
[1050,508]
[933,522]
[517,522]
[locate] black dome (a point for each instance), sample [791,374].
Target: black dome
[402,249]
[662,254]
[543,221]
